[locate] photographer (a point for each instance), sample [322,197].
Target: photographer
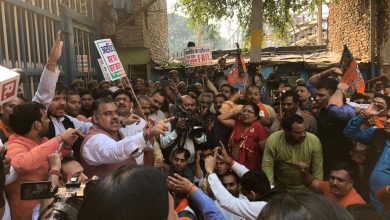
[186,131]
[62,171]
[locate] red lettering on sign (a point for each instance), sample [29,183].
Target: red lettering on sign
[8,90]
[112,58]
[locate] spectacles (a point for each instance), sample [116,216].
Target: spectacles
[109,113]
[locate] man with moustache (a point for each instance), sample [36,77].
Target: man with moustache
[285,148]
[59,121]
[158,99]
[290,105]
[144,108]
[339,187]
[132,124]
[104,148]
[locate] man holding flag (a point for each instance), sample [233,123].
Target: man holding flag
[237,77]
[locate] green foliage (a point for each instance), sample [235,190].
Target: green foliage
[276,13]
[179,34]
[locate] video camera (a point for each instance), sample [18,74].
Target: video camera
[67,200]
[194,125]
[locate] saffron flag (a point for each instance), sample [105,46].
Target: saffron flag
[237,76]
[351,72]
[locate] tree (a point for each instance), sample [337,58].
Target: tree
[276,13]
[179,33]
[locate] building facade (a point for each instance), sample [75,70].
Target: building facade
[141,37]
[363,25]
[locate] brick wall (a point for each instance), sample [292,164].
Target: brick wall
[349,23]
[150,30]
[383,32]
[156,31]
[128,36]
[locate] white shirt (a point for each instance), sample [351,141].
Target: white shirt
[46,87]
[169,138]
[228,215]
[243,208]
[158,116]
[239,169]
[102,149]
[134,129]
[45,94]
[80,125]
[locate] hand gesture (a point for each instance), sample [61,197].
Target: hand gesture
[70,136]
[209,163]
[56,50]
[160,128]
[222,154]
[55,161]
[180,184]
[133,118]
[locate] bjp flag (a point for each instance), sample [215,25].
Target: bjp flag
[237,76]
[352,75]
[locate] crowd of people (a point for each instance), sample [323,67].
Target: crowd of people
[199,149]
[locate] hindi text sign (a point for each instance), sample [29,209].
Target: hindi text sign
[198,56]
[104,69]
[110,58]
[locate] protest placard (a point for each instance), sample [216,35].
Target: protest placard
[110,59]
[105,72]
[9,82]
[198,56]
